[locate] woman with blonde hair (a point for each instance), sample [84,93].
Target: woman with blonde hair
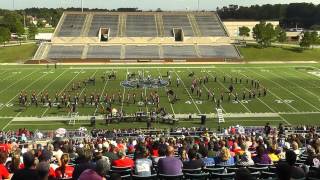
[64,171]
[225,157]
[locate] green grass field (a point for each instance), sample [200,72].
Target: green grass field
[293,95]
[253,53]
[17,53]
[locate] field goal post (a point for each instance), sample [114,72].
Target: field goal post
[73,118]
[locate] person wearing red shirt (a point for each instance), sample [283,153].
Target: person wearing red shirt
[4,173]
[64,171]
[123,161]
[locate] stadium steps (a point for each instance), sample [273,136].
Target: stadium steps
[196,48]
[123,52]
[58,28]
[42,51]
[85,51]
[194,25]
[123,24]
[159,23]
[220,115]
[222,25]
[87,25]
[160,52]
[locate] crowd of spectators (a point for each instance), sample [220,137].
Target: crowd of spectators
[269,154]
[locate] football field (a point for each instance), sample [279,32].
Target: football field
[292,94]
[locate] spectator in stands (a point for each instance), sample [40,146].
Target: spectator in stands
[143,165]
[64,170]
[272,153]
[295,148]
[97,173]
[295,172]
[84,162]
[162,154]
[46,157]
[170,165]
[225,157]
[4,173]
[245,158]
[243,174]
[43,169]
[123,161]
[262,157]
[194,162]
[110,152]
[208,161]
[15,162]
[28,172]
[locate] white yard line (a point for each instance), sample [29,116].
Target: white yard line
[188,92]
[62,91]
[8,87]
[214,101]
[18,94]
[7,77]
[102,92]
[311,93]
[231,93]
[51,82]
[273,94]
[167,96]
[288,91]
[267,104]
[124,91]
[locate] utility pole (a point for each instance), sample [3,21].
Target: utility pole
[13,5]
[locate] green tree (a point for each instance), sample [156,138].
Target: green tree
[244,31]
[13,21]
[306,40]
[281,34]
[33,30]
[264,34]
[4,35]
[314,37]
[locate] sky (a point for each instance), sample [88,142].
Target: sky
[141,4]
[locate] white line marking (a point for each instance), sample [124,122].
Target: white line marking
[275,95]
[124,91]
[102,92]
[267,104]
[231,93]
[188,92]
[167,96]
[289,91]
[17,81]
[297,84]
[62,90]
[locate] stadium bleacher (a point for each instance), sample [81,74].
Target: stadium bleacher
[142,52]
[177,21]
[140,35]
[228,51]
[179,52]
[72,25]
[96,51]
[141,26]
[209,26]
[57,52]
[101,20]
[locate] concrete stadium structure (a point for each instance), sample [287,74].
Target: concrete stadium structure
[138,37]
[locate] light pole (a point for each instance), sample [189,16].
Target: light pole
[12,4]
[81,5]
[198,5]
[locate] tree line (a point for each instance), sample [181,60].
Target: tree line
[305,15]
[265,33]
